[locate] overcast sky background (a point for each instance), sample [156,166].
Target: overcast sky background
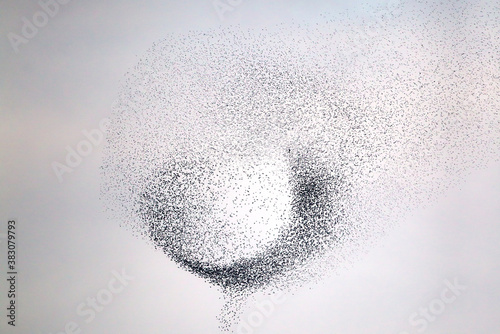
[65,80]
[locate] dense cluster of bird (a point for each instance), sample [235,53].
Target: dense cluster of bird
[251,156]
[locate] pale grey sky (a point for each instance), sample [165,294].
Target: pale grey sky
[65,80]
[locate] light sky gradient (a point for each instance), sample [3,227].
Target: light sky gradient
[66,79]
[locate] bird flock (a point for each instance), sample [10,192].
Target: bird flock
[262,159]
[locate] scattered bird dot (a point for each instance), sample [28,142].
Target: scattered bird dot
[262,159]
